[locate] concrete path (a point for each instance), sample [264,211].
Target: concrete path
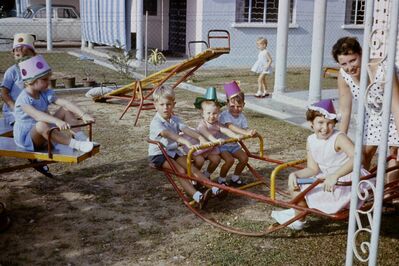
[289,107]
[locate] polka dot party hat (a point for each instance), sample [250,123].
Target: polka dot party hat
[34,68]
[23,39]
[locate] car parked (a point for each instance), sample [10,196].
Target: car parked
[65,23]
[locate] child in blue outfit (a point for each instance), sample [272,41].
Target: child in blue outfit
[32,118]
[165,127]
[234,119]
[12,83]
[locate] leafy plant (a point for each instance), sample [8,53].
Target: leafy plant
[156,58]
[121,59]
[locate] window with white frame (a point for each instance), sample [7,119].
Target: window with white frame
[355,11]
[259,11]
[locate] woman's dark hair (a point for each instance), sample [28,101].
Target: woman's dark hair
[346,46]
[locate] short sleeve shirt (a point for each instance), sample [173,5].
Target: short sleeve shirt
[158,124]
[240,121]
[13,82]
[45,99]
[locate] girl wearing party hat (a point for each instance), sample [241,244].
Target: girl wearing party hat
[32,117]
[12,83]
[330,157]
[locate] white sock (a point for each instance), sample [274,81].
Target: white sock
[234,178]
[80,135]
[197,196]
[221,180]
[84,146]
[215,190]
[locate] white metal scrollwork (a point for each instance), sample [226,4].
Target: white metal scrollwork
[365,190]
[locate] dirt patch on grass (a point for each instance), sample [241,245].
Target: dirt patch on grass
[113,209]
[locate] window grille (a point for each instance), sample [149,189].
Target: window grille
[259,11]
[355,12]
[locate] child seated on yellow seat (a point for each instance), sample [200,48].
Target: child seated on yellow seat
[32,117]
[234,119]
[165,128]
[329,157]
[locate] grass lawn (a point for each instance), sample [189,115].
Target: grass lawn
[112,209]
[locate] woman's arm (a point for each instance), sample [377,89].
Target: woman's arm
[345,104]
[5,95]
[395,101]
[74,109]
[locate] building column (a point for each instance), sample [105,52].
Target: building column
[282,44]
[319,27]
[139,31]
[49,26]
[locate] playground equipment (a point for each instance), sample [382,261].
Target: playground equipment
[139,92]
[391,189]
[8,148]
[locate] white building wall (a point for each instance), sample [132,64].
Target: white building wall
[158,26]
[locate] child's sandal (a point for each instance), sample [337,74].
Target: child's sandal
[237,183]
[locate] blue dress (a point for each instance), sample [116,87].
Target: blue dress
[13,82]
[24,122]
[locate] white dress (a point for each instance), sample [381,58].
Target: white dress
[260,64]
[373,120]
[329,161]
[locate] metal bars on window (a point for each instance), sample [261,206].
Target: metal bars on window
[259,11]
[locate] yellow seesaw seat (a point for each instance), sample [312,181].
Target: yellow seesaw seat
[8,148]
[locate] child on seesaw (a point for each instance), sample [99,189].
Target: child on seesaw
[12,83]
[235,120]
[210,126]
[32,117]
[329,157]
[165,127]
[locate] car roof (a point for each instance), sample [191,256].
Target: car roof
[38,6]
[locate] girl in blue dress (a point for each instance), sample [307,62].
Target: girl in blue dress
[12,83]
[32,118]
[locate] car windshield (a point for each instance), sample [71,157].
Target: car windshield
[28,13]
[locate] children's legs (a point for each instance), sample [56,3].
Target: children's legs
[228,163]
[39,134]
[185,183]
[263,87]
[242,161]
[260,84]
[68,117]
[199,161]
[214,160]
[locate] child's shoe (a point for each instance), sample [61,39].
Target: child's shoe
[81,136]
[84,146]
[284,216]
[219,193]
[222,180]
[236,181]
[202,198]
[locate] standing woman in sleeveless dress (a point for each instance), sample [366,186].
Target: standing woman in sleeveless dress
[347,53]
